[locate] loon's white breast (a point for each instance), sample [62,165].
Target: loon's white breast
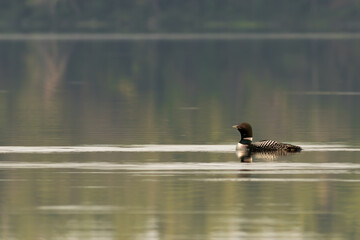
[241,146]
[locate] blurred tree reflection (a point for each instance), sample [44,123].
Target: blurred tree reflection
[177,92]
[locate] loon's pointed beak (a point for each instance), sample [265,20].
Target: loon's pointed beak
[235,126]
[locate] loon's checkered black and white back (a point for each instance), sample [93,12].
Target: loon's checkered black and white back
[266,144]
[245,130]
[271,145]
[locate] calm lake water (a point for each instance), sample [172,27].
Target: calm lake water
[133,139]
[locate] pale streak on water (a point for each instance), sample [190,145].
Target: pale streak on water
[159,148]
[327,93]
[187,167]
[65,209]
[261,167]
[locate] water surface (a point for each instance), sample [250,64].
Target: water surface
[133,139]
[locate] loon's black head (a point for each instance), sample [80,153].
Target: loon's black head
[244,129]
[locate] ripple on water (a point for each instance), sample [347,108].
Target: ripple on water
[186,166]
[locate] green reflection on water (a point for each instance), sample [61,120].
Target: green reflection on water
[56,93]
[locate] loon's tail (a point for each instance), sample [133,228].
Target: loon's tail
[292,148]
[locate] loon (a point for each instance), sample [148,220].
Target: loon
[246,142]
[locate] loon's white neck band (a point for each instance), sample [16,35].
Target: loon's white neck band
[241,145]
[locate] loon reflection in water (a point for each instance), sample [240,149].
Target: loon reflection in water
[247,156]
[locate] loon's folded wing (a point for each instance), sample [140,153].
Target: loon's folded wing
[266,144]
[270,145]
